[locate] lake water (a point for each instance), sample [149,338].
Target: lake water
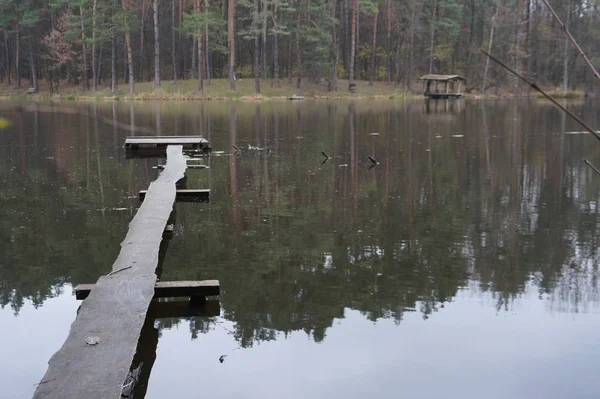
[463,265]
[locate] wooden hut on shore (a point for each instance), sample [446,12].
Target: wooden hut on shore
[442,86]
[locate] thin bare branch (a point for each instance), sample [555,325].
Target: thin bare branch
[588,163]
[534,86]
[564,28]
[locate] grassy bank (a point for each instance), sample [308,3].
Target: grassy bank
[217,90]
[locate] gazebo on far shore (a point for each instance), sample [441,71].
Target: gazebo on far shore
[431,86]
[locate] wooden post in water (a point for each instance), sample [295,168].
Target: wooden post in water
[95,359]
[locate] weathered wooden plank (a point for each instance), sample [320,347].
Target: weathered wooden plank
[165,140]
[183,195]
[167,289]
[161,167]
[115,310]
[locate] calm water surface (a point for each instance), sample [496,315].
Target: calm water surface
[463,265]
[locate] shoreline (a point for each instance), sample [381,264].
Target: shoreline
[184,90]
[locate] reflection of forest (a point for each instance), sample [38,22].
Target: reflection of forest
[294,242]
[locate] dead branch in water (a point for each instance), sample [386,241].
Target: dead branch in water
[534,86]
[564,28]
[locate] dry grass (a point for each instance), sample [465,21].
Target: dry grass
[217,90]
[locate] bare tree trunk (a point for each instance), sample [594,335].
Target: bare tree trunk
[208,62]
[7,51]
[298,62]
[411,44]
[84,77]
[264,40]
[487,61]
[113,64]
[130,62]
[336,52]
[200,63]
[351,83]
[275,52]
[231,42]
[389,40]
[194,56]
[17,54]
[517,43]
[257,70]
[432,36]
[374,48]
[156,46]
[129,53]
[289,59]
[566,54]
[173,46]
[34,80]
[94,69]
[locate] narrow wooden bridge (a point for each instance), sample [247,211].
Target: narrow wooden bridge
[103,355]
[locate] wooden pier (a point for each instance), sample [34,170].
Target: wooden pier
[161,142]
[98,358]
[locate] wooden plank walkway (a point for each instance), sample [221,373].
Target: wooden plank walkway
[95,359]
[153,142]
[167,289]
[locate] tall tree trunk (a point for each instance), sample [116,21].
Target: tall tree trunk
[352,46]
[180,43]
[231,42]
[566,53]
[94,69]
[129,52]
[142,44]
[487,60]
[113,64]
[289,59]
[130,62]
[264,40]
[389,41]
[517,42]
[34,80]
[298,61]
[336,52]
[208,63]
[156,46]
[194,56]
[411,46]
[18,55]
[374,48]
[275,51]
[257,69]
[99,66]
[200,63]
[431,48]
[7,51]
[346,30]
[84,72]
[173,46]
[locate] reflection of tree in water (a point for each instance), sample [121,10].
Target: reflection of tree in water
[492,209]
[294,242]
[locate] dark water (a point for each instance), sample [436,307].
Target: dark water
[463,265]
